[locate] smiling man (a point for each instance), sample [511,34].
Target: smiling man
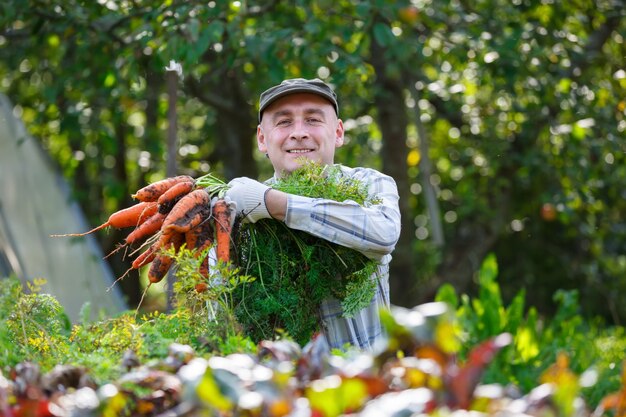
[299,119]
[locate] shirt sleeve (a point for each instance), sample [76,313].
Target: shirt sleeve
[372,230]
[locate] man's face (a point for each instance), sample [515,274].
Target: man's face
[297,126]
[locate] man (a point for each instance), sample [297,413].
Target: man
[299,118]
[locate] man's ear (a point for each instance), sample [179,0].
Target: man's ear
[260,140]
[339,134]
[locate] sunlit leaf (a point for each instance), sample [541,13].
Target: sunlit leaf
[580,128]
[109,80]
[323,395]
[565,381]
[209,391]
[447,294]
[526,343]
[447,336]
[54,41]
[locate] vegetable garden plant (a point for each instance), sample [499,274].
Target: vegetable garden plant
[295,271]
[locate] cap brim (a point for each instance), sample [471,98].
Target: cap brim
[294,89]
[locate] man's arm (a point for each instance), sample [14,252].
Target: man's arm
[276,203]
[373,230]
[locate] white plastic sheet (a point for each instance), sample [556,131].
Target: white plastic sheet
[35,203]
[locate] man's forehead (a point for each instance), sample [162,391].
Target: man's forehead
[285,111]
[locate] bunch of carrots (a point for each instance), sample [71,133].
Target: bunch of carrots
[169,213]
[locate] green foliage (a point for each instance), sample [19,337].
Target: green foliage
[538,342]
[205,317]
[296,271]
[34,327]
[581,357]
[316,181]
[35,323]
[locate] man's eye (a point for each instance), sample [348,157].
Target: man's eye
[313,120]
[283,122]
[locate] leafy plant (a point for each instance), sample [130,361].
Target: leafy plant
[35,328]
[36,324]
[589,345]
[295,271]
[324,181]
[209,301]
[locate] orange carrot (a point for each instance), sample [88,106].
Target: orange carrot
[165,238]
[145,258]
[160,265]
[223,230]
[168,199]
[148,212]
[153,191]
[147,228]
[201,287]
[162,262]
[192,236]
[128,217]
[189,212]
[204,242]
[200,238]
[204,266]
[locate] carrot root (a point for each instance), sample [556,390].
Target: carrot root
[201,236]
[114,251]
[223,229]
[160,265]
[128,217]
[95,229]
[149,227]
[204,267]
[163,262]
[168,199]
[153,191]
[189,212]
[145,258]
[119,279]
[133,215]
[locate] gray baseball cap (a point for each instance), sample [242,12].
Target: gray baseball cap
[297,85]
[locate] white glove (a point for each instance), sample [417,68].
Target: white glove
[249,195]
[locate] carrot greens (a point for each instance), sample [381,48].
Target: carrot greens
[295,270]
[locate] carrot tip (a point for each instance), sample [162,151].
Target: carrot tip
[115,250]
[95,229]
[119,279]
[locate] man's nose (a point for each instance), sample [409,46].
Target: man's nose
[299,131]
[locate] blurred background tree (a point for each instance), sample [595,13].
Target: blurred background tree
[502,121]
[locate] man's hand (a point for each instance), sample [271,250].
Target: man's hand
[249,195]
